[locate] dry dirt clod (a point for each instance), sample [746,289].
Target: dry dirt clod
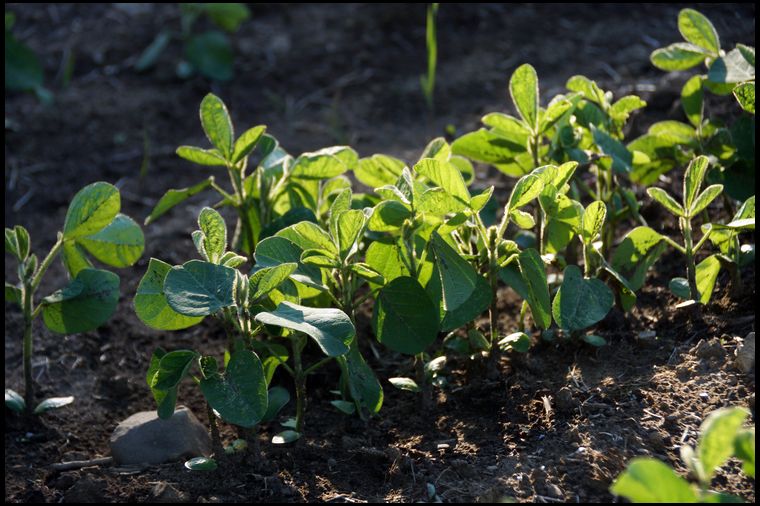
[164,492]
[709,349]
[86,490]
[745,354]
[564,400]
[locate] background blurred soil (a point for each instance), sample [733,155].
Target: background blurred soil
[320,75]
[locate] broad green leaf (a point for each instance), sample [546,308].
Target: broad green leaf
[666,200]
[458,277]
[675,132]
[438,202]
[91,209]
[580,303]
[507,126]
[747,52]
[438,149]
[592,220]
[210,53]
[199,288]
[534,276]
[74,258]
[407,384]
[12,293]
[217,124]
[330,328]
[405,319]
[706,276]
[85,304]
[247,142]
[523,87]
[23,70]
[730,69]
[201,464]
[231,259]
[479,201]
[365,271]
[272,356]
[345,407]
[341,204]
[445,175]
[647,480]
[308,235]
[214,231]
[378,170]
[240,394]
[705,198]
[119,244]
[677,56]
[489,147]
[317,166]
[274,251]
[11,242]
[388,215]
[14,401]
[291,217]
[473,307]
[563,221]
[350,226]
[22,240]
[622,159]
[165,399]
[692,100]
[526,189]
[209,157]
[386,259]
[363,385]
[227,16]
[744,449]
[698,30]
[716,440]
[692,182]
[278,398]
[174,197]
[625,291]
[150,301]
[594,340]
[553,113]
[173,367]
[518,341]
[522,219]
[745,95]
[52,403]
[267,279]
[621,109]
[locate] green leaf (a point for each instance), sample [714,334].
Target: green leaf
[210,53]
[553,113]
[278,398]
[214,231]
[523,87]
[74,258]
[637,252]
[85,304]
[173,367]
[22,240]
[705,198]
[23,70]
[150,301]
[526,189]
[594,340]
[120,244]
[695,174]
[479,201]
[407,384]
[533,274]
[267,279]
[274,251]
[458,277]
[730,69]
[706,274]
[698,30]
[349,228]
[14,401]
[716,440]
[307,235]
[363,385]
[580,303]
[445,175]
[592,221]
[622,159]
[692,100]
[240,394]
[469,310]
[666,200]
[317,165]
[405,319]
[744,449]
[227,16]
[91,209]
[677,56]
[621,109]
[330,328]
[438,202]
[745,95]
[518,341]
[491,147]
[199,288]
[174,197]
[52,403]
[12,293]
[217,124]
[285,437]
[246,143]
[386,259]
[165,399]
[378,170]
[209,157]
[388,216]
[647,480]
[201,464]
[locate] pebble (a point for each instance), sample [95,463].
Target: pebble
[745,354]
[143,438]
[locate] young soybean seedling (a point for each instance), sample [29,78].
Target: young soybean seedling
[93,225]
[700,279]
[648,480]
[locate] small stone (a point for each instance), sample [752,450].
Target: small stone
[143,438]
[745,354]
[443,446]
[165,493]
[709,349]
[564,400]
[86,490]
[704,396]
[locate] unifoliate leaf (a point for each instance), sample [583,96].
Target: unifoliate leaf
[199,288]
[580,303]
[647,480]
[407,384]
[458,277]
[730,69]
[165,399]
[698,30]
[692,100]
[217,124]
[52,403]
[267,279]
[523,87]
[533,273]
[74,258]
[695,174]
[473,307]
[349,228]
[330,328]
[278,398]
[91,209]
[201,464]
[85,304]
[622,159]
[563,221]
[705,198]
[378,170]
[247,142]
[716,441]
[744,449]
[445,175]
[172,368]
[636,253]
[526,189]
[745,95]
[345,407]
[14,401]
[240,394]
[592,221]
[405,319]
[666,200]
[707,273]
[677,56]
[119,244]
[209,157]
[214,231]
[150,301]
[173,198]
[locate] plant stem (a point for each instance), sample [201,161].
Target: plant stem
[46,262]
[691,270]
[419,363]
[237,184]
[216,441]
[300,380]
[28,342]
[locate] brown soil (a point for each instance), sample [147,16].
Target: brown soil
[560,422]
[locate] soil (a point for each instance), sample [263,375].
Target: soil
[558,424]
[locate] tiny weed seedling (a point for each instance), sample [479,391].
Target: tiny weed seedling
[427,82]
[648,480]
[93,225]
[209,53]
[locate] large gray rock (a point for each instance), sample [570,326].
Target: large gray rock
[144,438]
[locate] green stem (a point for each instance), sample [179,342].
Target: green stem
[216,440]
[691,270]
[46,262]
[316,366]
[675,245]
[300,381]
[419,362]
[28,342]
[237,184]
